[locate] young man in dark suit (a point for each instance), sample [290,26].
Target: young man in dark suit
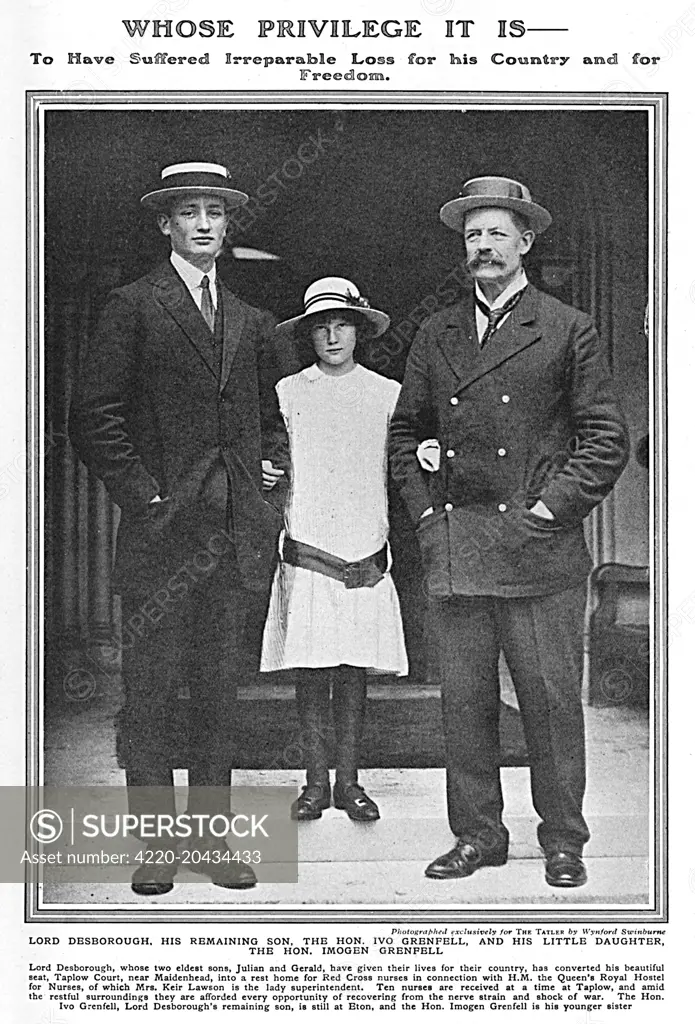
[171,412]
[512,390]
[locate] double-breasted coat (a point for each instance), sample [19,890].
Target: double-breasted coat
[532,416]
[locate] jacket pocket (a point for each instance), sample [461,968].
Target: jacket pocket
[182,506]
[427,521]
[537,526]
[543,472]
[158,518]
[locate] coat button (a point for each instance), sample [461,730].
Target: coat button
[505,398]
[454,400]
[501,452]
[502,507]
[450,453]
[448,507]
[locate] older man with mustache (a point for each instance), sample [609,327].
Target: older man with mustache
[517,389]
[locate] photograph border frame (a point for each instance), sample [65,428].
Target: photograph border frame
[656,104]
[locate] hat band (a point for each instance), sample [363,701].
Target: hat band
[194,179]
[330,296]
[495,188]
[195,168]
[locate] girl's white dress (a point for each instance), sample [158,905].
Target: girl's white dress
[337,430]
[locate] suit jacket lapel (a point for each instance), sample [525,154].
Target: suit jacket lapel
[459,339]
[234,319]
[171,295]
[520,330]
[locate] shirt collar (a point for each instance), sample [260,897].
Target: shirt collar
[519,282]
[191,275]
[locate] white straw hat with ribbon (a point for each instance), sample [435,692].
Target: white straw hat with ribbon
[336,294]
[202,178]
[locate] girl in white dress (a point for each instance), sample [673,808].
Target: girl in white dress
[334,615]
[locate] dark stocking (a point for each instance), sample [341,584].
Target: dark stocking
[349,706]
[312,691]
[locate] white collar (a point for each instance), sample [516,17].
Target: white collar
[191,275]
[314,372]
[519,282]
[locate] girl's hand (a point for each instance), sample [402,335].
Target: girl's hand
[429,454]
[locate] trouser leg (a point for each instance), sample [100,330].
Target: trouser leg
[151,793]
[349,708]
[466,642]
[542,642]
[214,673]
[312,694]
[151,655]
[209,787]
[195,640]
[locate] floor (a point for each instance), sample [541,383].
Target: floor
[380,865]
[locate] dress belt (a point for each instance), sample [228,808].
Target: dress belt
[365,573]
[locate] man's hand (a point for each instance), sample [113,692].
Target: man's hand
[539,509]
[270,474]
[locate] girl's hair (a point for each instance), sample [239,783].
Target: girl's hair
[302,336]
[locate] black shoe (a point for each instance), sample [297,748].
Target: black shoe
[155,876]
[311,803]
[463,860]
[353,799]
[565,869]
[213,858]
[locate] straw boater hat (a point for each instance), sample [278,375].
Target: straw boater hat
[182,179]
[337,294]
[504,193]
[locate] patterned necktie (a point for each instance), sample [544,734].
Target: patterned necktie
[206,306]
[495,315]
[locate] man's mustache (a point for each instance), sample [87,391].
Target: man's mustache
[477,261]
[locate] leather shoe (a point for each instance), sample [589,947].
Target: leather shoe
[355,802]
[311,803]
[565,869]
[154,876]
[212,857]
[463,860]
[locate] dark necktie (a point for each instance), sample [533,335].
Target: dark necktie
[495,315]
[206,306]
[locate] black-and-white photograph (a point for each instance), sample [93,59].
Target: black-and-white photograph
[351,420]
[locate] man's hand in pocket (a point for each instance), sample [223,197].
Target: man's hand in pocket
[539,509]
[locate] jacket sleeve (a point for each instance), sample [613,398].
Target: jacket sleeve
[601,446]
[274,440]
[409,426]
[98,422]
